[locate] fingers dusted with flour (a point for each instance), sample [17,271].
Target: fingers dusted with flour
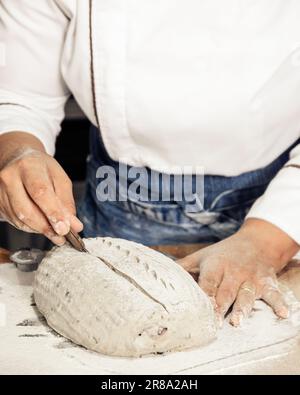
[210,280]
[24,214]
[35,193]
[244,303]
[63,188]
[38,184]
[242,268]
[275,299]
[226,294]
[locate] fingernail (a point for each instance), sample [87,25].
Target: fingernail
[59,241]
[236,319]
[283,313]
[62,227]
[78,224]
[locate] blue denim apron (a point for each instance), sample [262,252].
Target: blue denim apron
[226,203]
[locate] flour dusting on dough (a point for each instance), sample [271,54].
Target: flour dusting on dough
[122,299]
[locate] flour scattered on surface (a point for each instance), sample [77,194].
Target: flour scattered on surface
[3,317]
[262,345]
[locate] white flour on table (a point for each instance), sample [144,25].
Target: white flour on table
[30,346]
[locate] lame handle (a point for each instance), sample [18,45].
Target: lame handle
[76,241]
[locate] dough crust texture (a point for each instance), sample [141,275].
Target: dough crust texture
[122,299]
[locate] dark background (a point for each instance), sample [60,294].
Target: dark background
[71,152]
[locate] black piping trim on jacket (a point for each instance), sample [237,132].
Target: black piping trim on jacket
[14,104]
[92,71]
[62,10]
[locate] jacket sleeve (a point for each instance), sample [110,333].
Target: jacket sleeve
[32,91]
[280,204]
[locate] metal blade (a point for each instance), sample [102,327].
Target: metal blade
[76,241]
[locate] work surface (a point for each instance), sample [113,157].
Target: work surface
[263,345]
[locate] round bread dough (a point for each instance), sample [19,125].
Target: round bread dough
[122,299]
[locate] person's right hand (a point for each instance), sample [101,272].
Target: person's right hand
[36,196]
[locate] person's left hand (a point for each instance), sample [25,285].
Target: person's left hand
[243,268]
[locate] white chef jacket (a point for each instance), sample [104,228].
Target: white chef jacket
[202,83]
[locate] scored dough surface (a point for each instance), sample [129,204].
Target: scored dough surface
[131,302]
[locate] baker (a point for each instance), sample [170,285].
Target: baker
[209,86]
